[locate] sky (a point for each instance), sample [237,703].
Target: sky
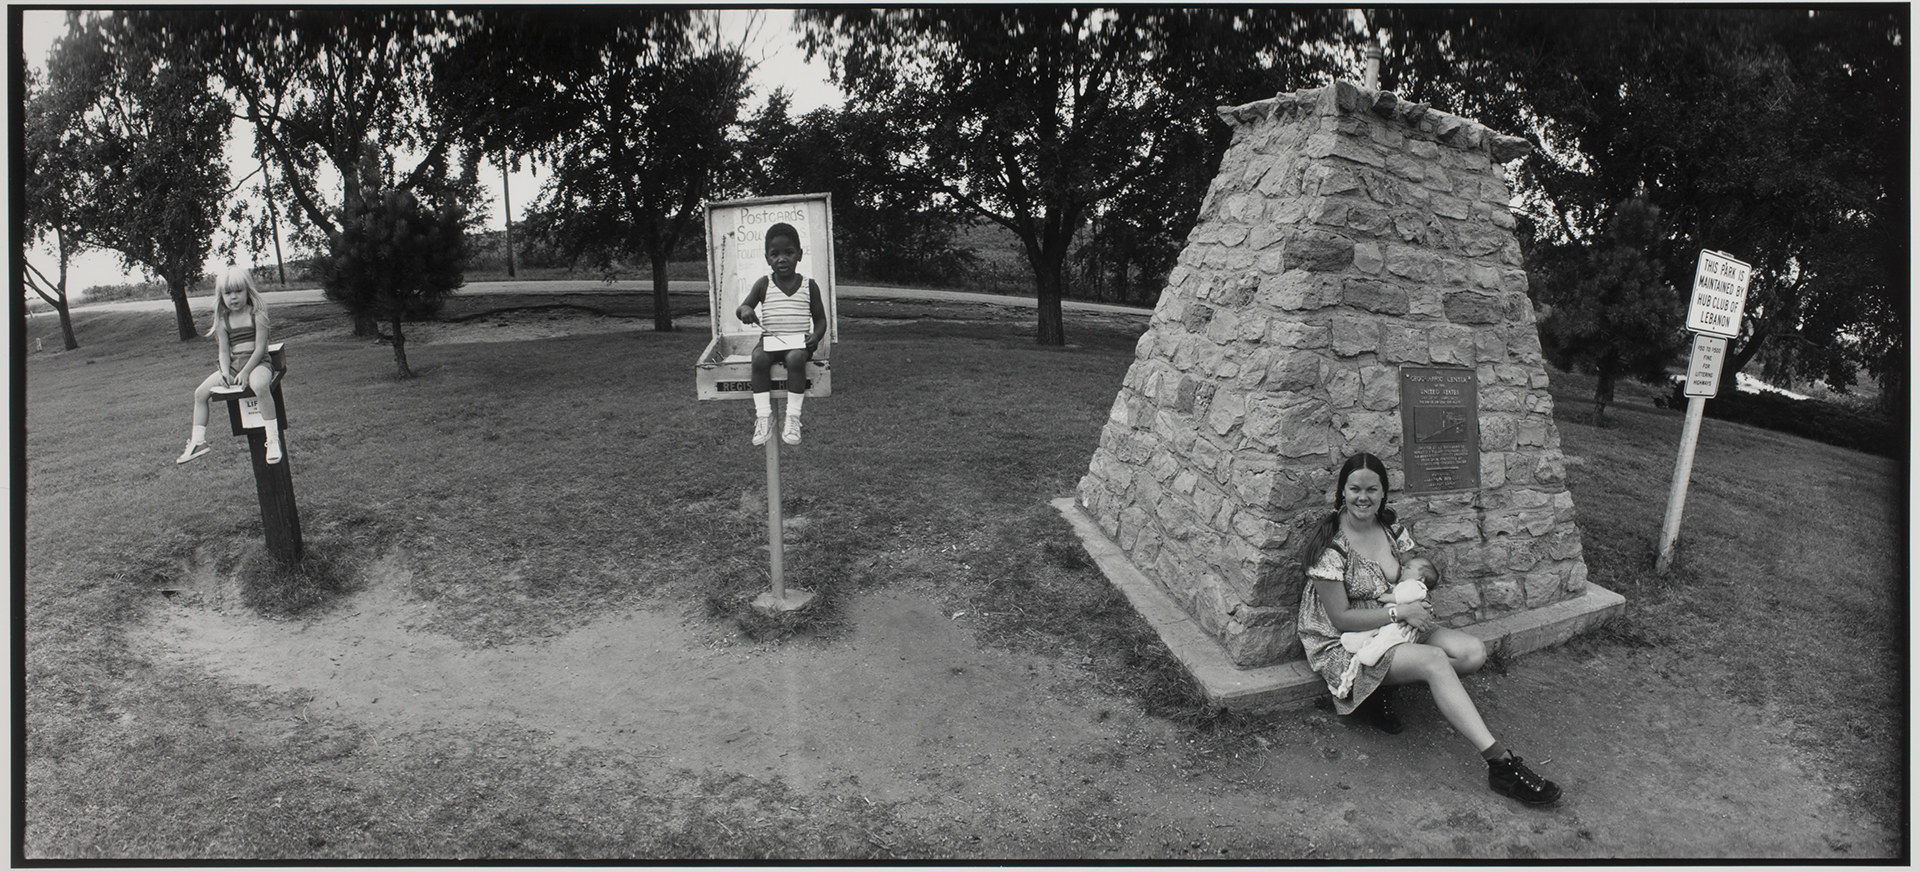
[767,34]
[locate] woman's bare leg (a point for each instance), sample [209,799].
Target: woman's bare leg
[1432,666]
[1467,652]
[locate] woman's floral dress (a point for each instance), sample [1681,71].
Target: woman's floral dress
[1366,582]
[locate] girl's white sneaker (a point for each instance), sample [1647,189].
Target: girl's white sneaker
[193,450]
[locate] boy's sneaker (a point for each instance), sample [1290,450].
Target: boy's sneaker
[791,434]
[1509,777]
[193,450]
[762,429]
[273,451]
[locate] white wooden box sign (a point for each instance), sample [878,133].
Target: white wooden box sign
[736,256]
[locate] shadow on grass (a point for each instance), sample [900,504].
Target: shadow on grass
[281,588]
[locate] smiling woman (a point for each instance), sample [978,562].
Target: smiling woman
[1355,557]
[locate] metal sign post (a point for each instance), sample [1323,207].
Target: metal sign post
[735,256]
[1719,300]
[779,599]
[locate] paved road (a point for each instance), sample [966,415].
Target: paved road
[313,295]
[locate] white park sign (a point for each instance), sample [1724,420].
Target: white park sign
[1719,295]
[1703,368]
[1719,298]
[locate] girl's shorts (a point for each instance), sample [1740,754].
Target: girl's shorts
[238,359]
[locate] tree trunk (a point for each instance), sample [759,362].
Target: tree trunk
[60,301]
[400,349]
[662,306]
[66,327]
[1893,383]
[182,313]
[1049,275]
[1602,395]
[506,208]
[1737,360]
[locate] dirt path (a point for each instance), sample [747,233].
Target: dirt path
[1024,753]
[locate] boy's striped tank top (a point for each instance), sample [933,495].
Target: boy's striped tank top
[780,313]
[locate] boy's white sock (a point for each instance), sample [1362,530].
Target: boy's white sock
[794,401]
[199,433]
[763,404]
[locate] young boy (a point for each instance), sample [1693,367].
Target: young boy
[792,322]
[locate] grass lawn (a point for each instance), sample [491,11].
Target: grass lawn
[532,487]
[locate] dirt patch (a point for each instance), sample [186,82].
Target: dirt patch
[1025,756]
[648,681]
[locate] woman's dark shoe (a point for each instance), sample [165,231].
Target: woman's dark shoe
[1378,711]
[1510,777]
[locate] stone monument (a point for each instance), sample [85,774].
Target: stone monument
[1352,284]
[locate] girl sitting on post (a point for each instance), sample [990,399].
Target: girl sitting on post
[240,330]
[792,323]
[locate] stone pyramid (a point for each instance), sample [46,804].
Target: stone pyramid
[1350,241]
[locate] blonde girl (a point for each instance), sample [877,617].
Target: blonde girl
[240,328]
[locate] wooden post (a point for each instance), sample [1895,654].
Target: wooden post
[279,515]
[1677,495]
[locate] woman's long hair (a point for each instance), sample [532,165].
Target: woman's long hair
[1328,528]
[234,276]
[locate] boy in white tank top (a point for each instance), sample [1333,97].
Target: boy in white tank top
[792,322]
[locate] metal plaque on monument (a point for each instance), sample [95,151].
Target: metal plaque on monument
[1440,429]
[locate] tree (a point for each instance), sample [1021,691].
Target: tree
[150,142]
[1611,311]
[1032,117]
[335,96]
[49,174]
[887,225]
[634,109]
[394,258]
[1763,132]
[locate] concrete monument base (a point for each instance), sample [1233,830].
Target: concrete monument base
[1292,684]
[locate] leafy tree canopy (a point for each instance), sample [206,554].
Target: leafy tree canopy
[635,109]
[1777,134]
[395,258]
[1609,309]
[1033,117]
[142,151]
